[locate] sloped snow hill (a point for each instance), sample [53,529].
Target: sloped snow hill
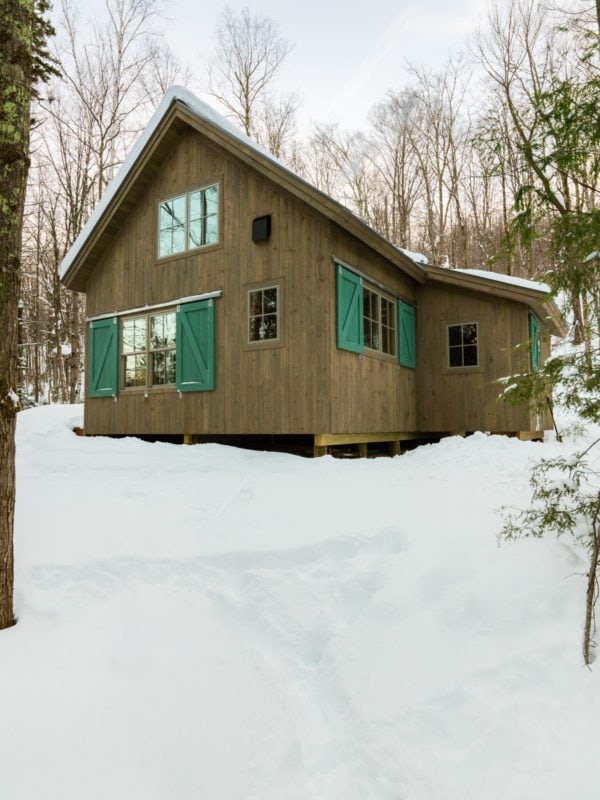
[208,623]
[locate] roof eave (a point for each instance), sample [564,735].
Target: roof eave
[308,193]
[83,255]
[80,260]
[537,299]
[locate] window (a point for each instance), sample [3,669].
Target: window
[379,322]
[172,348]
[188,221]
[367,319]
[148,347]
[463,345]
[263,314]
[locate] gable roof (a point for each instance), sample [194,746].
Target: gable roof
[180,109]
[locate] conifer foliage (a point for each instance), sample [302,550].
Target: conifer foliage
[558,206]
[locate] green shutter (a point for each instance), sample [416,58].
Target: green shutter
[195,363]
[534,343]
[103,359]
[406,335]
[349,309]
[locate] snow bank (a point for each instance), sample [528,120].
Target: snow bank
[207,622]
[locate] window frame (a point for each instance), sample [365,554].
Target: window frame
[378,352]
[263,344]
[462,367]
[148,352]
[186,232]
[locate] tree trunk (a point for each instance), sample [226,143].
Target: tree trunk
[592,587]
[16,20]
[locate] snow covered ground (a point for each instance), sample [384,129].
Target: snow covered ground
[208,623]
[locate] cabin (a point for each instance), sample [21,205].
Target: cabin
[229,300]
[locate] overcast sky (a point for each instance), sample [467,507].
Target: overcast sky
[346,54]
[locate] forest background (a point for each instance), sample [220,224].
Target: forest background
[477,165]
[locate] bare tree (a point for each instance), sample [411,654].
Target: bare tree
[344,159]
[163,70]
[114,73]
[249,53]
[393,154]
[439,137]
[532,59]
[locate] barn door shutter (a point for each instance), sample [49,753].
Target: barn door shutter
[349,310]
[534,343]
[103,359]
[195,362]
[406,335]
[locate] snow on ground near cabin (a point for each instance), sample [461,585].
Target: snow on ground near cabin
[207,622]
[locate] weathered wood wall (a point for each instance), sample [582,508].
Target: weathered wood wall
[451,399]
[305,385]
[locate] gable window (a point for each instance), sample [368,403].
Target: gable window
[379,322]
[263,314]
[463,345]
[188,221]
[148,346]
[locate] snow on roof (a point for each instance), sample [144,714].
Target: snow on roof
[510,279]
[418,257]
[205,112]
[197,107]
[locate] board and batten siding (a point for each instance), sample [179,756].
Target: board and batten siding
[466,399]
[369,393]
[304,384]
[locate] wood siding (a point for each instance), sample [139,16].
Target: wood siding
[305,385]
[466,399]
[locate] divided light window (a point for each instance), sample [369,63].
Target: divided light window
[148,350]
[263,314]
[369,320]
[379,322]
[173,347]
[463,345]
[188,221]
